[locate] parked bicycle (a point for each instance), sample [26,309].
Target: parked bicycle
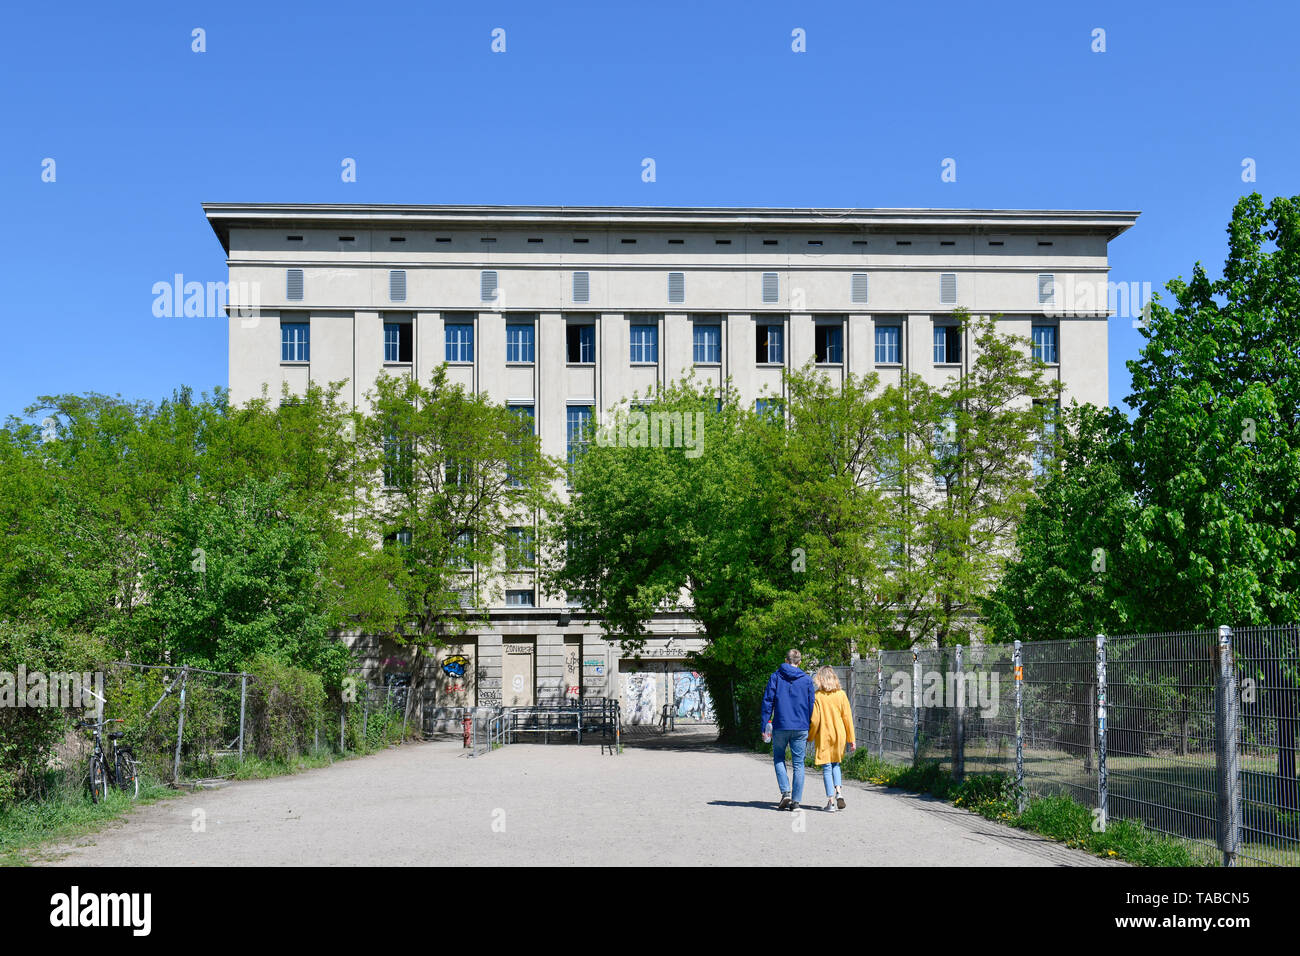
[123,770]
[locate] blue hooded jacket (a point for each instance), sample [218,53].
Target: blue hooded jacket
[792,691]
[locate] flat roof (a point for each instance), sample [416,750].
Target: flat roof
[224,216]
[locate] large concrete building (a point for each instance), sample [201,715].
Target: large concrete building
[568,311]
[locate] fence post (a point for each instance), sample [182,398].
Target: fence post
[243,700]
[1227,762]
[180,727]
[1018,671]
[343,726]
[916,705]
[958,725]
[1103,782]
[880,704]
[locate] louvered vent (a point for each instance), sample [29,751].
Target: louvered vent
[488,286]
[771,287]
[1046,288]
[581,286]
[858,290]
[948,288]
[293,284]
[397,285]
[677,287]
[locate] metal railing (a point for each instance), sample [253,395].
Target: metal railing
[493,727]
[1193,732]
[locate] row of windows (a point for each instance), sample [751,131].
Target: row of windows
[706,344]
[490,285]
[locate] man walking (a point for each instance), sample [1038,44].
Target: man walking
[791,692]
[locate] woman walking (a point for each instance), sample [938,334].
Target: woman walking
[831,733]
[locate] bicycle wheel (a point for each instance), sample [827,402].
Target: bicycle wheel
[128,773]
[98,780]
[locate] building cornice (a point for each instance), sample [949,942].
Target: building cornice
[224,216]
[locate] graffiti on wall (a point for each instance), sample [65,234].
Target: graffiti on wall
[641,697]
[691,699]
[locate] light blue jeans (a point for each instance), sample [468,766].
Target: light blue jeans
[797,741]
[831,777]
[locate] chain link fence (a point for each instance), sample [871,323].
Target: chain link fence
[1191,732]
[188,725]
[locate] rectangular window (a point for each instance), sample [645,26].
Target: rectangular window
[526,418]
[520,343]
[707,341]
[521,550]
[520,598]
[887,344]
[295,342]
[400,537]
[460,342]
[398,341]
[581,344]
[947,345]
[462,551]
[771,287]
[397,285]
[398,453]
[645,343]
[293,284]
[888,473]
[1045,440]
[577,426]
[676,286]
[772,408]
[946,450]
[1044,338]
[769,345]
[488,286]
[829,344]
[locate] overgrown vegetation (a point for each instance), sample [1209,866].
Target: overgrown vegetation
[1059,817]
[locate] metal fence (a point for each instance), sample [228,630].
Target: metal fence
[492,727]
[1192,732]
[187,724]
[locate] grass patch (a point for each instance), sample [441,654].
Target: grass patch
[1061,818]
[67,812]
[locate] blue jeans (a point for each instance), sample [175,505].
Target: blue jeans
[796,740]
[831,777]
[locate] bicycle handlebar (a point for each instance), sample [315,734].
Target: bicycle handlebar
[100,723]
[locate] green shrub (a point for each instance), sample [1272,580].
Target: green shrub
[29,735]
[285,706]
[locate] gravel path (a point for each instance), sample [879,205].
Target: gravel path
[428,804]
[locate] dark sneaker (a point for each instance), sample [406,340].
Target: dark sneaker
[785,802]
[839,801]
[794,806]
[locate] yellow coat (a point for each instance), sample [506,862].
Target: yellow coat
[831,727]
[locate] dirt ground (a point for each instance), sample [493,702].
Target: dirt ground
[682,801]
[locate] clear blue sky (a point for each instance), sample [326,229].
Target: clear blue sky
[142,130]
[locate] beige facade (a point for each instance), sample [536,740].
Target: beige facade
[343,272]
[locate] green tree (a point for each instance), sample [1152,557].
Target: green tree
[450,472]
[981,429]
[234,574]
